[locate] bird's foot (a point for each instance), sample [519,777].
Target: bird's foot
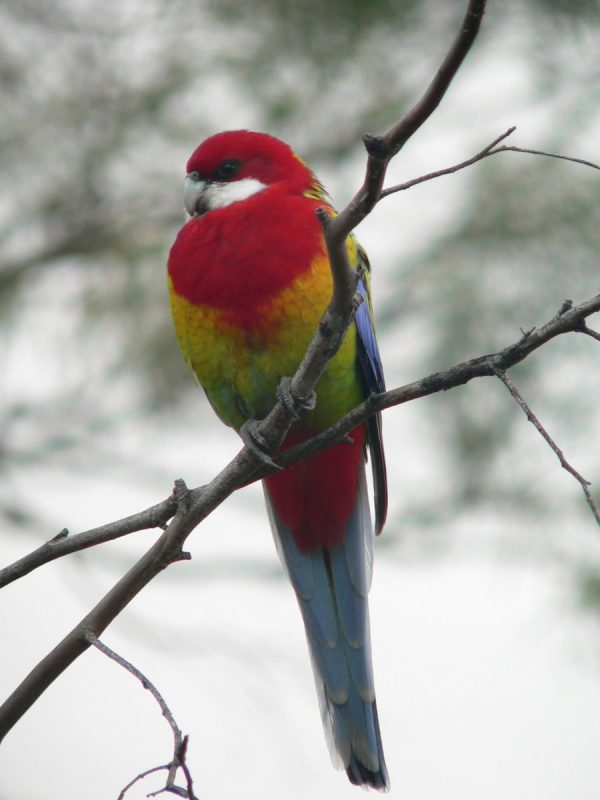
[357,302]
[293,404]
[256,443]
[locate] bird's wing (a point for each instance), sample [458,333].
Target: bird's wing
[371,372]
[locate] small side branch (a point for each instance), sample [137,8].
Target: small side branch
[146,683]
[187,793]
[179,741]
[583,328]
[585,484]
[491,150]
[62,544]
[512,149]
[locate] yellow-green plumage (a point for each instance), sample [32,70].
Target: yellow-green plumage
[240,370]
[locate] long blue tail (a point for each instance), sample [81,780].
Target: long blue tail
[332,588]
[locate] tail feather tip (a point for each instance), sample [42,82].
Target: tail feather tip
[360,775]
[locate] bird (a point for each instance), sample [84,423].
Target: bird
[249,279]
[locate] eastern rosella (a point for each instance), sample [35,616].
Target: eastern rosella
[249,280]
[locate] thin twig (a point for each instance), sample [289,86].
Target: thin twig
[585,484]
[91,637]
[512,149]
[141,777]
[490,150]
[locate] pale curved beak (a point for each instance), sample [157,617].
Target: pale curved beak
[192,194]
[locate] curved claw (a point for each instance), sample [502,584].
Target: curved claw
[293,404]
[256,443]
[357,301]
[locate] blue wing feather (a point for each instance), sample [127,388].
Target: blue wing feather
[368,353]
[371,372]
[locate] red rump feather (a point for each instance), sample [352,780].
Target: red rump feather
[315,497]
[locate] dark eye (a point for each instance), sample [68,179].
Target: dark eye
[227,169]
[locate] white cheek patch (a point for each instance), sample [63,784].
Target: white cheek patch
[219,195]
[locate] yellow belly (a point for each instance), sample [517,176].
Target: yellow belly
[240,370]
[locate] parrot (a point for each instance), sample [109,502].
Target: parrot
[249,280]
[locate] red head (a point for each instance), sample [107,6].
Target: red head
[234,165]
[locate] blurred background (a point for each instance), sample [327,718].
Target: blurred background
[486,595]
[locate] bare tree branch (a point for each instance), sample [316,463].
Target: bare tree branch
[194,506]
[569,319]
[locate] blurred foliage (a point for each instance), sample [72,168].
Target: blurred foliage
[104,102]
[589,589]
